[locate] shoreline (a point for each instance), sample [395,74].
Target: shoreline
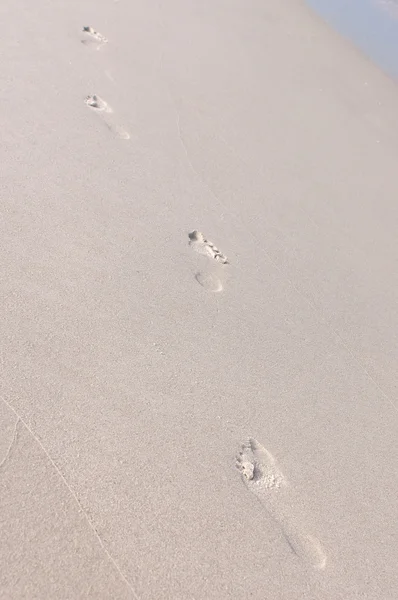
[370,25]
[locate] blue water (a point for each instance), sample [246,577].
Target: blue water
[370,24]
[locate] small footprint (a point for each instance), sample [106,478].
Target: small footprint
[94,37]
[199,243]
[263,477]
[97,104]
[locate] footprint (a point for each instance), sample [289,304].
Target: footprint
[199,243]
[209,281]
[94,37]
[258,468]
[99,105]
[263,477]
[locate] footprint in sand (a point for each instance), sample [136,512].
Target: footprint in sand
[212,280]
[93,37]
[263,477]
[200,244]
[99,105]
[96,103]
[258,468]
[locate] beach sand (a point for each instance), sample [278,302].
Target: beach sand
[173,425]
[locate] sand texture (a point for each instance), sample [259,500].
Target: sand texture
[199,305]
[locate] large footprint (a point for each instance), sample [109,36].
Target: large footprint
[258,468]
[263,477]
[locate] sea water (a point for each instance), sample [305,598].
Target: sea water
[371,24]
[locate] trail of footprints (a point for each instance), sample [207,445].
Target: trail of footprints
[260,472]
[95,102]
[257,466]
[264,479]
[208,279]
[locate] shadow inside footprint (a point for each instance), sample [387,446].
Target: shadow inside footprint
[94,36]
[96,103]
[200,244]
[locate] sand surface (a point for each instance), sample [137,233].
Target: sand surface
[173,425]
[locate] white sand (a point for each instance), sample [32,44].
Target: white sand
[129,386]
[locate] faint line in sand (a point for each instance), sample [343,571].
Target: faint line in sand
[12,443]
[73,494]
